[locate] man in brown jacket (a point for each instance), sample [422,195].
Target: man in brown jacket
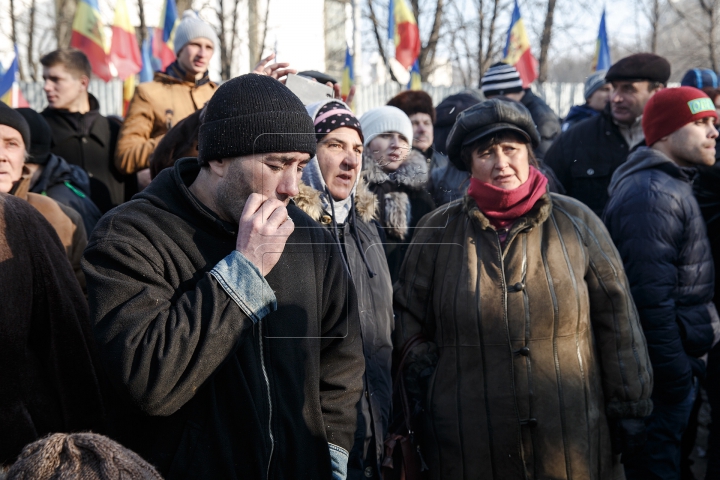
[15,179]
[181,90]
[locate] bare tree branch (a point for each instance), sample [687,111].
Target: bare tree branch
[545,41]
[378,38]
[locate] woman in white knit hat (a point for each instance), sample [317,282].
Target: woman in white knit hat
[397,176]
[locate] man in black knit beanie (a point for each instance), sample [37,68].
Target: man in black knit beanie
[225,314]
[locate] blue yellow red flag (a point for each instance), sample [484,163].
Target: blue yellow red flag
[602,59]
[415,82]
[164,37]
[10,93]
[88,37]
[517,49]
[405,32]
[124,50]
[348,78]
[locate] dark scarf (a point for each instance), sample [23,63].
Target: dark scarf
[502,207]
[174,70]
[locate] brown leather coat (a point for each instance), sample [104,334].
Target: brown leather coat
[534,345]
[68,223]
[155,108]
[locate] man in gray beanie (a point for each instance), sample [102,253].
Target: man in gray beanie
[225,315]
[597,95]
[183,88]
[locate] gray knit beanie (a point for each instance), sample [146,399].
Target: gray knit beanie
[86,456]
[190,28]
[594,81]
[254,114]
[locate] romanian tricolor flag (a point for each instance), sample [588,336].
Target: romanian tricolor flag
[124,51]
[89,38]
[164,36]
[403,28]
[10,93]
[602,49]
[517,49]
[415,82]
[348,78]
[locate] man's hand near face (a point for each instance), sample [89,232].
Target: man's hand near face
[263,230]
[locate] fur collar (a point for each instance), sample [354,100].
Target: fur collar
[537,215]
[308,200]
[413,173]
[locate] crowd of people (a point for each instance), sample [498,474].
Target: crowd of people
[229,283]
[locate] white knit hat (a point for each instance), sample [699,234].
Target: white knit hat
[190,28]
[385,119]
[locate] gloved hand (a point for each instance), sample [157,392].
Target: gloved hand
[628,435]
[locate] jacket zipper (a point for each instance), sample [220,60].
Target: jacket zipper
[267,384]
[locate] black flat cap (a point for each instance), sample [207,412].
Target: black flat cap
[641,66]
[486,118]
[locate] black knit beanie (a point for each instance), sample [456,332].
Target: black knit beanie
[40,136]
[13,119]
[254,114]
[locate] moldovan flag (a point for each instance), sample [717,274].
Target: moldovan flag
[415,82]
[164,37]
[124,52]
[517,49]
[88,37]
[602,49]
[403,28]
[128,92]
[10,93]
[348,77]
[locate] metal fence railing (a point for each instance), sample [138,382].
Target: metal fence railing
[560,96]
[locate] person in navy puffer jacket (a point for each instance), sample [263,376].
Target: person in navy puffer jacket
[657,226]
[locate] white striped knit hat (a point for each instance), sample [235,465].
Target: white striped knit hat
[501,79]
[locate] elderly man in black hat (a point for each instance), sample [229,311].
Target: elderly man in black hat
[585,157]
[226,317]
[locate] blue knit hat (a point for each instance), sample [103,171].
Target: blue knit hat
[190,28]
[700,78]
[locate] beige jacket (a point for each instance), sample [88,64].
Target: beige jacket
[156,107]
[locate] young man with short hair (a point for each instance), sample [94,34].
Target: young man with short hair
[225,315]
[585,156]
[80,134]
[657,226]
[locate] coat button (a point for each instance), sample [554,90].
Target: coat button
[368,472]
[524,351]
[84,139]
[532,422]
[607,133]
[590,171]
[518,287]
[325,219]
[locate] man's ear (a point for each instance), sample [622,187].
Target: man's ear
[219,167]
[84,81]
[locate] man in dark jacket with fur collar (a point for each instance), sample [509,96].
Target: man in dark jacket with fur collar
[657,226]
[336,196]
[225,315]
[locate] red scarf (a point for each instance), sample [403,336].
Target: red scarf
[502,207]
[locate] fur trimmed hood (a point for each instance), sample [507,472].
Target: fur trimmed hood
[537,214]
[413,173]
[308,200]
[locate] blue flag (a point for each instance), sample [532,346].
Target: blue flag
[415,82]
[8,78]
[602,49]
[391,20]
[147,72]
